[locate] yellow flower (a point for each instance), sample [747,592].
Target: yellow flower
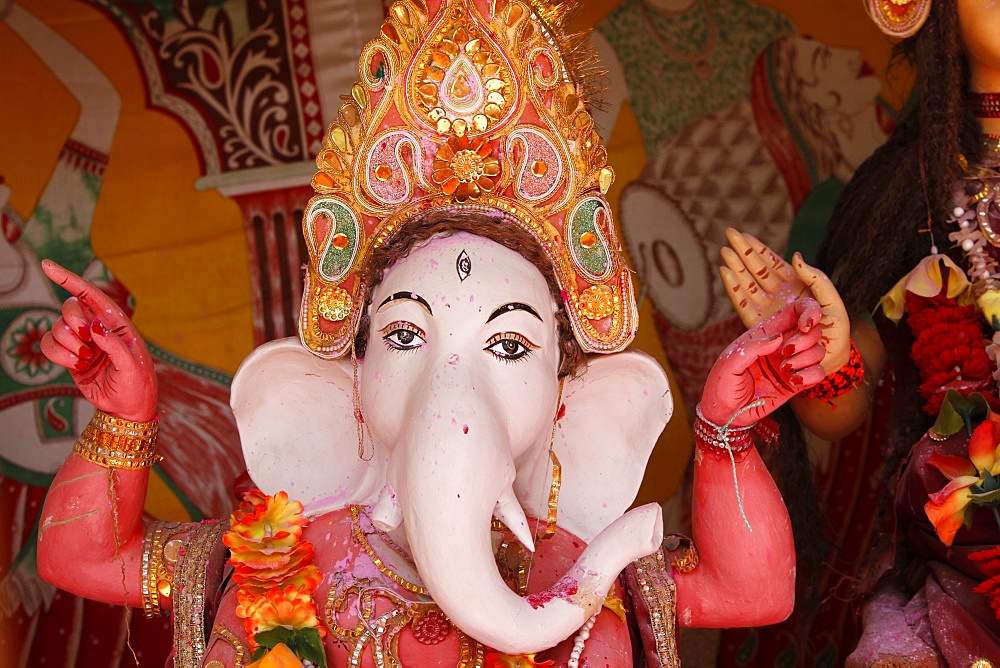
[279,657]
[260,574]
[291,607]
[266,520]
[464,168]
[265,546]
[927,280]
[989,304]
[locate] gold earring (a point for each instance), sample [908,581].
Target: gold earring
[898,18]
[556,484]
[359,417]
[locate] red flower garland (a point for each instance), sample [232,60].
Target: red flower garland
[988,562]
[950,350]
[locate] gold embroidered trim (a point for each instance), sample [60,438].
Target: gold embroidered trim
[157,570]
[189,599]
[233,640]
[659,593]
[362,540]
[380,633]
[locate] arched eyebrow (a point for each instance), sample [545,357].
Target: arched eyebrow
[513,306]
[410,296]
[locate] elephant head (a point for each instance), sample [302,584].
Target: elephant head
[461,398]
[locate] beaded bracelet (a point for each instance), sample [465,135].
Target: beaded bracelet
[734,442]
[119,444]
[839,382]
[721,441]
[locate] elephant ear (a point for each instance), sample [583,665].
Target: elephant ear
[296,421]
[614,413]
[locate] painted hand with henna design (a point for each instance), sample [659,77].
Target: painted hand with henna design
[772,362]
[759,282]
[100,346]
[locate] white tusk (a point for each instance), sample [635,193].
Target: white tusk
[508,510]
[386,514]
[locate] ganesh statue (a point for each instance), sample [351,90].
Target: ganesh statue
[443,461]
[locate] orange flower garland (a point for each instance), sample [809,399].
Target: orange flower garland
[277,578]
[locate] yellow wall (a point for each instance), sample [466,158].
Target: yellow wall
[181,252]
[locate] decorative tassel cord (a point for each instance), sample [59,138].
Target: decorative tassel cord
[722,433]
[113,498]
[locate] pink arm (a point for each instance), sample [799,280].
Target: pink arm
[90,537]
[747,577]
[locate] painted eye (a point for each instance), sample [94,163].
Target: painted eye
[403,336]
[509,346]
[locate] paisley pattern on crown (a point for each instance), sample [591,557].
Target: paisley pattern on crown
[465,103]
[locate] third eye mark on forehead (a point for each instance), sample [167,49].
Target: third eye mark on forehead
[463,265]
[411,296]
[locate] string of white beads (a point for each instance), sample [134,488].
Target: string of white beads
[578,643]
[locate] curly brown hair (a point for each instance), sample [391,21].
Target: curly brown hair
[878,229]
[490,224]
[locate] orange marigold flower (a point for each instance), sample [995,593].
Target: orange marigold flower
[267,520]
[265,546]
[463,167]
[258,558]
[298,573]
[291,607]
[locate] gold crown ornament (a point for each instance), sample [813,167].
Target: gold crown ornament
[898,18]
[466,103]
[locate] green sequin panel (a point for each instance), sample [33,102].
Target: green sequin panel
[595,259]
[337,261]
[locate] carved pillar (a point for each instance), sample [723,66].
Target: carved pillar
[272,201]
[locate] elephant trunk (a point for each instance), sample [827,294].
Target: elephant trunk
[450,478]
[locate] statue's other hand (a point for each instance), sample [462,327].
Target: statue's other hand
[759,282]
[766,366]
[100,346]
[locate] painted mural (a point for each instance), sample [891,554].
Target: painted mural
[163,149]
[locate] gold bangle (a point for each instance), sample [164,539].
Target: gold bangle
[120,444]
[151,551]
[158,558]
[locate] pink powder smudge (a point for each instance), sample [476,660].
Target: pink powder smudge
[564,589]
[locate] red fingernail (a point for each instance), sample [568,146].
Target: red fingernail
[84,353]
[84,333]
[786,367]
[789,349]
[98,328]
[797,380]
[81,365]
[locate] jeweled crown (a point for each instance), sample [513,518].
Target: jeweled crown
[465,102]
